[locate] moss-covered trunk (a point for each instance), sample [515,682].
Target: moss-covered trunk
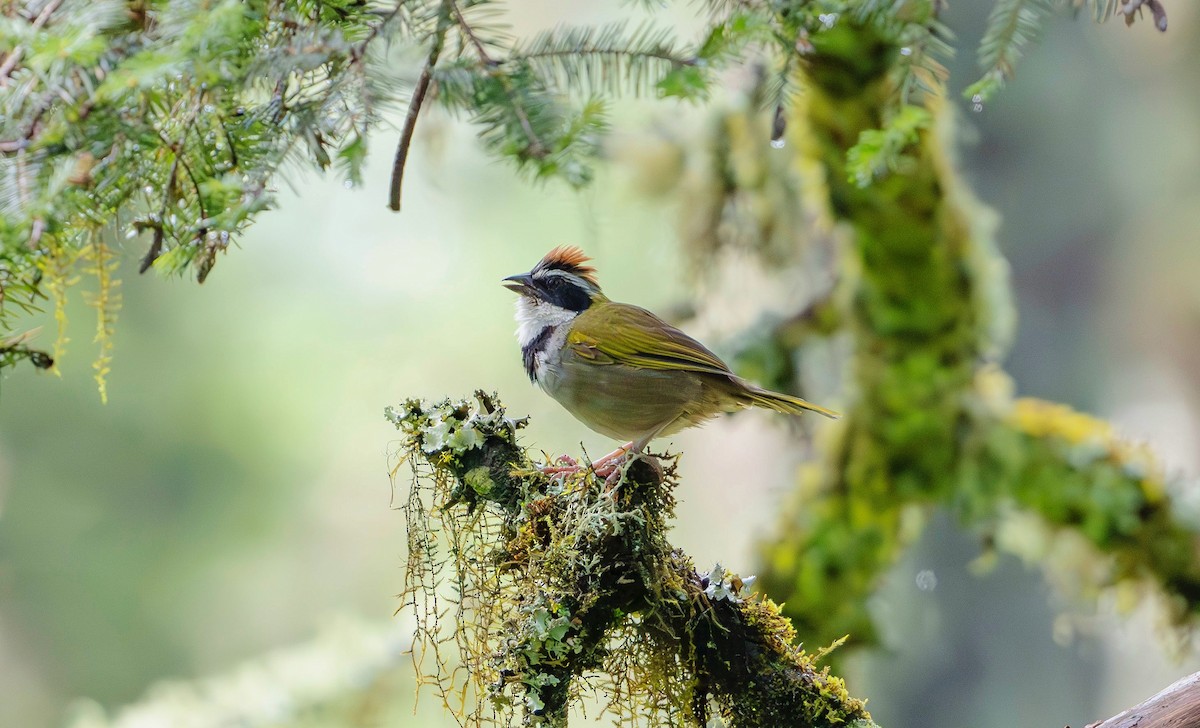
[916,337]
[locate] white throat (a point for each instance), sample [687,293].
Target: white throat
[535,316]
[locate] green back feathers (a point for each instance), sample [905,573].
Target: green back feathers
[618,333]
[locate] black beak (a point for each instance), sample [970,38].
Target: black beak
[522,283]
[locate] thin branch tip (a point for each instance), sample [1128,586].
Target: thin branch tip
[410,123]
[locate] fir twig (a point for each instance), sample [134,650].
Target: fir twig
[14,57]
[177,149]
[535,148]
[1012,25]
[15,348]
[156,243]
[603,58]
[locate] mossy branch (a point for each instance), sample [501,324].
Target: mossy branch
[932,421]
[1069,478]
[561,586]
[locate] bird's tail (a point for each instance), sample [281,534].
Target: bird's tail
[784,403]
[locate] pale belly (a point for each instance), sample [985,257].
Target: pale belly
[627,403]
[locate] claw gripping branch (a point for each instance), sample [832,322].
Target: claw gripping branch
[558,588]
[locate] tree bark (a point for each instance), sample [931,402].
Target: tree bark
[1177,706]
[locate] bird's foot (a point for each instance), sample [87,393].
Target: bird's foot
[608,464]
[562,464]
[611,467]
[613,480]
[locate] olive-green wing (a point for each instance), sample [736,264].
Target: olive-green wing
[618,333]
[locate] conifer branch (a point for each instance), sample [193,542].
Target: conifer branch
[536,148]
[177,151]
[1015,24]
[14,56]
[1012,25]
[159,232]
[606,58]
[17,348]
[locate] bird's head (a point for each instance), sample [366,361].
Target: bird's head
[561,280]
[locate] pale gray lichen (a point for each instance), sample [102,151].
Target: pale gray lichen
[722,585]
[453,426]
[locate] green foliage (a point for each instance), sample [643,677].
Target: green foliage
[881,150]
[521,118]
[172,121]
[166,120]
[607,59]
[1014,25]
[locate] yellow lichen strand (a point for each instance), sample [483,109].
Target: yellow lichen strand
[106,301]
[57,276]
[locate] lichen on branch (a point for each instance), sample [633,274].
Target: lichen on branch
[559,587]
[931,420]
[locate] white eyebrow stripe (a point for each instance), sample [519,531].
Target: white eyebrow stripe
[572,277]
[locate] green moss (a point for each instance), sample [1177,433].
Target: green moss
[479,480]
[930,421]
[915,320]
[560,578]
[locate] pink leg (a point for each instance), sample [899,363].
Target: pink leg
[604,466]
[564,464]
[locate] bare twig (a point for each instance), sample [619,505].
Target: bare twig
[156,244]
[1130,7]
[410,124]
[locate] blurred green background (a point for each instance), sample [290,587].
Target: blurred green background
[233,496]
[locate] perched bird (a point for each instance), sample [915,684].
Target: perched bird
[618,368]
